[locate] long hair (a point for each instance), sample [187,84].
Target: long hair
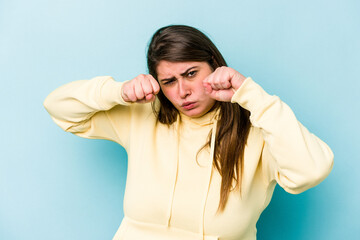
[180,43]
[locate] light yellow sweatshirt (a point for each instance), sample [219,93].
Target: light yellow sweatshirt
[171,195]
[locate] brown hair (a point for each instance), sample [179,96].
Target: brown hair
[180,43]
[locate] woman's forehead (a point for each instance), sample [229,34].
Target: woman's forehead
[166,69]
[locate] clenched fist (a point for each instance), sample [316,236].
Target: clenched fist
[222,83]
[141,89]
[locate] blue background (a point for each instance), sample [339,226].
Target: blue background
[54,185]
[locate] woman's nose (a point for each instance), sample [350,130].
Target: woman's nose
[184,89]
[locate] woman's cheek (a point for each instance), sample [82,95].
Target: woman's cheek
[170,95]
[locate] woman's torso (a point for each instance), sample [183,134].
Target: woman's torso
[168,189]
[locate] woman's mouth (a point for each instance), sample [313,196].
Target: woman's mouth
[188,105]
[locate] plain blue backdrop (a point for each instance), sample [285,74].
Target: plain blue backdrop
[56,186]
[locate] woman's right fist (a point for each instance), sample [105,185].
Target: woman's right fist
[141,89]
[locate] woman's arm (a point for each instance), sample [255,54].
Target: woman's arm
[97,108]
[294,157]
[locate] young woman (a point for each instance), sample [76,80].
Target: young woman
[206,145]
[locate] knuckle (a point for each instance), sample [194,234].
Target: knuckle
[147,91]
[140,93]
[133,98]
[140,77]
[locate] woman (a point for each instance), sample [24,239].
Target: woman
[206,145]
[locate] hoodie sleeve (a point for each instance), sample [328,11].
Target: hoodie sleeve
[87,107]
[294,157]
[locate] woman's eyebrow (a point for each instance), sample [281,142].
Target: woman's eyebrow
[167,79]
[186,72]
[181,74]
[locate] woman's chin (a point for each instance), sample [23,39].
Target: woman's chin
[194,113]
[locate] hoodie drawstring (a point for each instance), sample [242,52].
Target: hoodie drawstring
[210,170]
[209,174]
[176,170]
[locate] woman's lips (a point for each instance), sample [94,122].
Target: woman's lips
[188,105]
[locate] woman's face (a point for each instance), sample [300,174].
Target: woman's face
[181,83]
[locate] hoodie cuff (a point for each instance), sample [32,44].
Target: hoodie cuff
[110,93]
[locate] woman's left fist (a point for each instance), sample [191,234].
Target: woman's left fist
[222,83]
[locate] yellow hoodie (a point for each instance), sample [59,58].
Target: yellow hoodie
[172,195]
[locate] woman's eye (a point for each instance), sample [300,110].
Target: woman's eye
[192,73]
[169,82]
